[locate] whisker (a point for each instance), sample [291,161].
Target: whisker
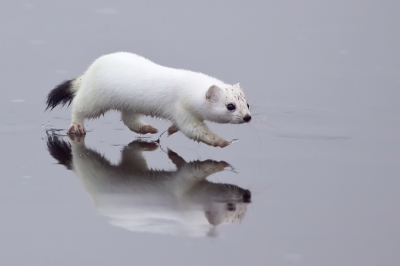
[252,104]
[259,113]
[229,188]
[258,135]
[266,123]
[225,187]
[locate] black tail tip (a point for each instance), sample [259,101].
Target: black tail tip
[60,150]
[62,94]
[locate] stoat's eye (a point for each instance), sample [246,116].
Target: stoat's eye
[248,106]
[230,207]
[231,107]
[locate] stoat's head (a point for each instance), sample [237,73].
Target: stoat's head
[228,203]
[227,105]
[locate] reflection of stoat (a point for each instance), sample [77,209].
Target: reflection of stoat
[179,202]
[136,86]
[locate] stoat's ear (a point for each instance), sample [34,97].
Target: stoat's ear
[237,85]
[213,93]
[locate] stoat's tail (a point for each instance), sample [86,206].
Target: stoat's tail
[64,93]
[60,150]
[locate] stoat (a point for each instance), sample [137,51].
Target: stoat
[136,197]
[137,87]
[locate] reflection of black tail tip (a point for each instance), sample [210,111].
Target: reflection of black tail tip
[247,197]
[62,94]
[60,150]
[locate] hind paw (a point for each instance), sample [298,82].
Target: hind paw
[146,129]
[76,129]
[76,138]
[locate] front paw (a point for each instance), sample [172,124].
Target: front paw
[176,159]
[209,166]
[172,129]
[217,166]
[220,143]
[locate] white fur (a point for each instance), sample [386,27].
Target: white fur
[177,202]
[136,86]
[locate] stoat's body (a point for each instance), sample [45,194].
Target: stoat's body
[136,86]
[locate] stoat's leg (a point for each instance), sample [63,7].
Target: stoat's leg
[134,122]
[176,159]
[172,129]
[206,168]
[77,120]
[198,130]
[132,157]
[199,169]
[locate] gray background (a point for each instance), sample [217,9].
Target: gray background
[321,156]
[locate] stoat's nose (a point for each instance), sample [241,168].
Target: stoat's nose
[247,118]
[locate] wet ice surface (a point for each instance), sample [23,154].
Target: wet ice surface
[320,159]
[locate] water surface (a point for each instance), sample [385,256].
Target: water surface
[319,162]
